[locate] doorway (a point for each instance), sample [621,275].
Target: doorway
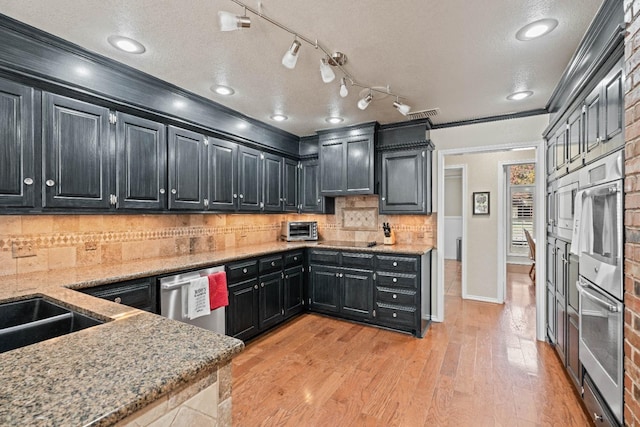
[454,187]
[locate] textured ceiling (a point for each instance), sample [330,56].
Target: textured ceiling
[458,55]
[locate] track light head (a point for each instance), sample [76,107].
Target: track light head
[402,108]
[343,88]
[291,57]
[364,102]
[326,72]
[230,21]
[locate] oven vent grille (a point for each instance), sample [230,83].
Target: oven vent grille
[423,114]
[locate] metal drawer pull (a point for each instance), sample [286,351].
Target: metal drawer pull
[50,183]
[242,196]
[244,270]
[262,285]
[173,191]
[162,191]
[255,286]
[395,280]
[597,417]
[395,264]
[273,263]
[337,274]
[295,258]
[117,300]
[28,181]
[395,315]
[395,296]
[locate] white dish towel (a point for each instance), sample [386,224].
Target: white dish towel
[582,233]
[198,298]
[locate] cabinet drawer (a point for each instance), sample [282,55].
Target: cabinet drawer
[242,270]
[293,258]
[324,257]
[139,294]
[394,280]
[396,314]
[396,296]
[270,263]
[397,263]
[596,409]
[357,260]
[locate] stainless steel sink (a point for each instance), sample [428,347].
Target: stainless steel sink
[30,321]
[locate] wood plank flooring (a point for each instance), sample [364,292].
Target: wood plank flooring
[481,367]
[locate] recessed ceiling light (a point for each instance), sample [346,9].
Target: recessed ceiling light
[279,117]
[334,120]
[223,90]
[536,29]
[126,44]
[517,96]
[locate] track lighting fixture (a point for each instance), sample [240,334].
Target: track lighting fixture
[291,57]
[326,72]
[229,21]
[402,108]
[343,88]
[329,61]
[364,102]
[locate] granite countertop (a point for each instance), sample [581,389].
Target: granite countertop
[102,374]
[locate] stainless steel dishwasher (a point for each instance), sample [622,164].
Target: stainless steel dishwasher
[173,301]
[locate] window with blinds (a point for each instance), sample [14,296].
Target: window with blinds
[521,197]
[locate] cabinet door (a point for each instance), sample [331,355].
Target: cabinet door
[76,149]
[403,182]
[560,144]
[271,299]
[359,163]
[592,131]
[290,186]
[561,324]
[249,179]
[332,168]
[223,175]
[139,293]
[141,163]
[572,278]
[575,139]
[272,182]
[551,314]
[613,114]
[242,313]
[17,156]
[551,156]
[310,198]
[187,169]
[561,268]
[293,291]
[324,288]
[573,342]
[357,293]
[551,262]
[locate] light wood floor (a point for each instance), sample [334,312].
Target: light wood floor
[481,367]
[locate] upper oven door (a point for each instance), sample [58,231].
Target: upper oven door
[601,239]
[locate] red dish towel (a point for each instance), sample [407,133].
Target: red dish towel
[218,294]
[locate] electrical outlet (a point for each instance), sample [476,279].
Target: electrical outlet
[22,250]
[90,246]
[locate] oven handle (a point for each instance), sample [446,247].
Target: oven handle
[602,191]
[582,288]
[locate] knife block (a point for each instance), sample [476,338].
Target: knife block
[391,240]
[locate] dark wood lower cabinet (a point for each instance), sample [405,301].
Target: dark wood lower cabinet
[574,367]
[324,288]
[242,313]
[293,291]
[271,311]
[140,293]
[357,293]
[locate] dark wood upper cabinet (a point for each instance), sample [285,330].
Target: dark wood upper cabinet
[406,181]
[332,168]
[223,175]
[76,153]
[249,179]
[359,165]
[18,180]
[141,163]
[187,169]
[272,170]
[290,185]
[310,199]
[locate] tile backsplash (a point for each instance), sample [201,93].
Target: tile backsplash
[30,243]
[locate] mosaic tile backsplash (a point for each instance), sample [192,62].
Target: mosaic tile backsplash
[30,243]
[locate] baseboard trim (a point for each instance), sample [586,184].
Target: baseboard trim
[483,299]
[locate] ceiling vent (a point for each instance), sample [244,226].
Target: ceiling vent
[424,114]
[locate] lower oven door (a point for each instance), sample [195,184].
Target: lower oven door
[601,326]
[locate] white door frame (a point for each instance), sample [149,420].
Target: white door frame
[502,223]
[463,168]
[438,312]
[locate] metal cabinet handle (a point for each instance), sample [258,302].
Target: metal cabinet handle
[319,200]
[117,300]
[173,191]
[395,315]
[244,270]
[162,191]
[262,285]
[235,195]
[337,274]
[395,264]
[286,276]
[597,417]
[295,258]
[28,181]
[395,279]
[384,198]
[273,263]
[241,196]
[255,286]
[50,183]
[395,296]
